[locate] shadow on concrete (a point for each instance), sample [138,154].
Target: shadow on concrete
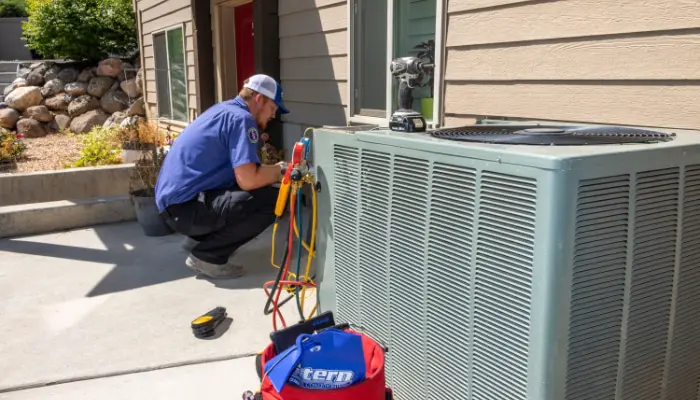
[141,261]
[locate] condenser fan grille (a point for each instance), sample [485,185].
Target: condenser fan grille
[551,135]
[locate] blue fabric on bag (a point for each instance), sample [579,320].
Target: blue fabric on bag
[331,359]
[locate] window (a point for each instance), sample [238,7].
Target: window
[383,30]
[171,77]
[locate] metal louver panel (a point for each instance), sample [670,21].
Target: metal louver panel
[598,288]
[683,369]
[449,279]
[651,286]
[409,197]
[345,224]
[374,245]
[502,286]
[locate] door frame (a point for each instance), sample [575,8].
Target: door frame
[218,39]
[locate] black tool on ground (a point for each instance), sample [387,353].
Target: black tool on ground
[409,71]
[284,338]
[205,325]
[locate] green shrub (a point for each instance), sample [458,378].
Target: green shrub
[81,30]
[11,148]
[100,146]
[13,9]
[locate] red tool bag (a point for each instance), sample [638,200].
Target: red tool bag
[372,387]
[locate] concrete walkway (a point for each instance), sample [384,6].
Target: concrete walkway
[92,311]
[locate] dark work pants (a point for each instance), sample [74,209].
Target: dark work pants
[223,220]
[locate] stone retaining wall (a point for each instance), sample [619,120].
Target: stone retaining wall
[48,97]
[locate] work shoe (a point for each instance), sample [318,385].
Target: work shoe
[214,271]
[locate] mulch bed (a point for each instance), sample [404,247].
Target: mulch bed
[49,153]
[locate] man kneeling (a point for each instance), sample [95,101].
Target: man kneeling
[212,186]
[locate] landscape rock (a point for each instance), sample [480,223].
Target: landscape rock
[85,75]
[24,73]
[59,102]
[87,121]
[76,88]
[63,121]
[131,88]
[8,118]
[114,101]
[99,86]
[138,108]
[35,79]
[82,104]
[22,98]
[68,75]
[31,128]
[111,67]
[52,72]
[40,68]
[52,88]
[52,127]
[40,113]
[115,120]
[18,83]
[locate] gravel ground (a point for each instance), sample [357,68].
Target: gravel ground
[51,152]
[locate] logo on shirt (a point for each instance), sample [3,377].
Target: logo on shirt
[253,135]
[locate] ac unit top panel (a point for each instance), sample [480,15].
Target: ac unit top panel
[682,148]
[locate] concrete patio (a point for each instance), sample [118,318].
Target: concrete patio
[104,312]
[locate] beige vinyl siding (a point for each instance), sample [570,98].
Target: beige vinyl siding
[314,61]
[156,15]
[631,62]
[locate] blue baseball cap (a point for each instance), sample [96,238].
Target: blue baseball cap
[268,87]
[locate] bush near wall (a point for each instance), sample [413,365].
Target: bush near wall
[81,30]
[13,9]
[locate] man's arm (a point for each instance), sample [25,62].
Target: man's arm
[250,176]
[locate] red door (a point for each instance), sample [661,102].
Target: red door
[245,53]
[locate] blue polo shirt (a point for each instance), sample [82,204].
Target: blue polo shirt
[204,155]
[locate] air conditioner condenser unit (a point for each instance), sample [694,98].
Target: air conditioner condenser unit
[502,262]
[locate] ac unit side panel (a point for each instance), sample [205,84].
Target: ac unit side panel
[650,283]
[682,372]
[554,249]
[336,171]
[443,268]
[631,290]
[598,287]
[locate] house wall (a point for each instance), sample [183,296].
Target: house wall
[13,47]
[632,62]
[155,15]
[313,64]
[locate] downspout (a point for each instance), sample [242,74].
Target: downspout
[137,14]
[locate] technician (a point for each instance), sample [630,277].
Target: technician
[212,186]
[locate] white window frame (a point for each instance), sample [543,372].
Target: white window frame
[438,91]
[165,31]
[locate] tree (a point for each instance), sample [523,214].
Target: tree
[81,30]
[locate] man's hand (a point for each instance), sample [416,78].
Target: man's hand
[283,168]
